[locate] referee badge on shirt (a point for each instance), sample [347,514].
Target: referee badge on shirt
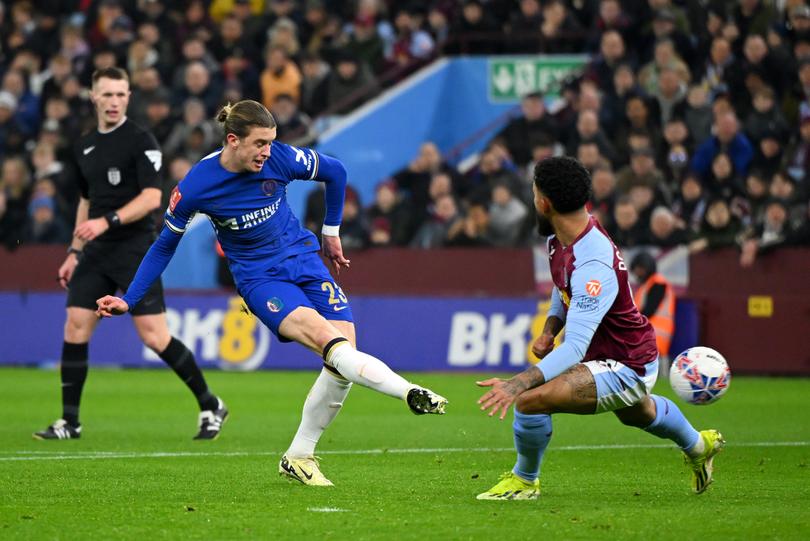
[114,176]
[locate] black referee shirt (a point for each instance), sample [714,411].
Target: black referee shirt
[114,167]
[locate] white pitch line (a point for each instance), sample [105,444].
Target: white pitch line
[326,510]
[85,455]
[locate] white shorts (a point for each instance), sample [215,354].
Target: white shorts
[618,386]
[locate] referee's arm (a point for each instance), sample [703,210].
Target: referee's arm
[144,203]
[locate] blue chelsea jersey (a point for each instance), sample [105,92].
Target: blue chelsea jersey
[249,211]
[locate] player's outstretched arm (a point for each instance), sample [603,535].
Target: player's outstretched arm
[109,306]
[332,173]
[152,266]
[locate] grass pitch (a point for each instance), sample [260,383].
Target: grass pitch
[136,474]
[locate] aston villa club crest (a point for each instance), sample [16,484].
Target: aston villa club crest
[114,176]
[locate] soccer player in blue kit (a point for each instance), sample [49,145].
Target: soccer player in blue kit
[609,358]
[276,266]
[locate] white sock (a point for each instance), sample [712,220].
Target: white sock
[698,448]
[368,371]
[322,405]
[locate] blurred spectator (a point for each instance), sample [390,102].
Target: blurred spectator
[671,95]
[756,195]
[195,135]
[44,225]
[65,188]
[775,230]
[12,138]
[560,32]
[627,230]
[412,43]
[473,230]
[768,152]
[720,228]
[723,180]
[197,83]
[603,196]
[587,129]
[507,217]
[389,216]
[719,61]
[797,157]
[415,180]
[493,169]
[765,117]
[15,184]
[783,187]
[697,114]
[664,229]
[280,76]
[523,132]
[433,232]
[291,124]
[523,24]
[347,83]
[475,31]
[641,172]
[727,138]
[354,232]
[665,58]
[146,84]
[689,204]
[366,44]
[27,112]
[159,119]
[612,54]
[314,81]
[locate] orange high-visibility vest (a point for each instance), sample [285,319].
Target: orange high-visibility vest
[663,320]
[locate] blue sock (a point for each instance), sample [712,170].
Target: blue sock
[532,434]
[671,424]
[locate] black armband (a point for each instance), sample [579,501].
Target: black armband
[113,220]
[72,250]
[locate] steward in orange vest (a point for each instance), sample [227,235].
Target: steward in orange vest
[655,299]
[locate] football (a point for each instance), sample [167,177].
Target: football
[699,375]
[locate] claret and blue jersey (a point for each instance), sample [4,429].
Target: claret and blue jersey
[256,228]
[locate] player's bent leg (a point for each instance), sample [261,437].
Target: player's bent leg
[79,326]
[574,391]
[308,327]
[699,448]
[154,332]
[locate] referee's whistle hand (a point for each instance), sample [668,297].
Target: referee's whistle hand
[111,306]
[90,229]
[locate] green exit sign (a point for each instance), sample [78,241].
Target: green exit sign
[510,78]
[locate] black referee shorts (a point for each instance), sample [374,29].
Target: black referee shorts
[107,267]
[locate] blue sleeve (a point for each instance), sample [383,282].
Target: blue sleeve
[333,174]
[307,164]
[152,266]
[593,289]
[556,309]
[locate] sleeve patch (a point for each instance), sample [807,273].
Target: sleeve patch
[593,287]
[156,157]
[174,199]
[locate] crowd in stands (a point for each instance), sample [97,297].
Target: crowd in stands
[692,116]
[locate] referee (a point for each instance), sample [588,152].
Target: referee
[118,170]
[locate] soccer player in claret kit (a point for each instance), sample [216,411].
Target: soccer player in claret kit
[118,165]
[608,360]
[276,267]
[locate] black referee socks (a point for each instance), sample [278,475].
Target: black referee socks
[73,372]
[181,359]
